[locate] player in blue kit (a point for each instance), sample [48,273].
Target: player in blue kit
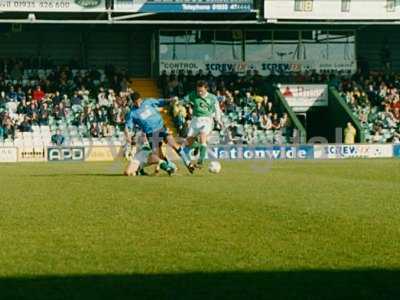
[139,158]
[145,115]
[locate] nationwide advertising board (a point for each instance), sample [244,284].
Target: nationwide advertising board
[52,5]
[303,96]
[8,154]
[264,68]
[182,6]
[353,151]
[261,152]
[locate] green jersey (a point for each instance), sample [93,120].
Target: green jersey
[203,107]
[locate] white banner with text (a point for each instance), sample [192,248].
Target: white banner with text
[265,68]
[52,5]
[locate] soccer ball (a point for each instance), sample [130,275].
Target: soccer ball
[214,167]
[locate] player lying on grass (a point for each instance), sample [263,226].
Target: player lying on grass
[145,116]
[206,109]
[142,158]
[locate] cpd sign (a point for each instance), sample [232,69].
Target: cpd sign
[66,154]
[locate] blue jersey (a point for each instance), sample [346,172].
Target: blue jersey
[146,116]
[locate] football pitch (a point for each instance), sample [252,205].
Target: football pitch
[258,230]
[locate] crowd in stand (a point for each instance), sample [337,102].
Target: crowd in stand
[375,100]
[92,100]
[250,115]
[97,101]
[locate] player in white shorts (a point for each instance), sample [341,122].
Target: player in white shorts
[205,108]
[200,125]
[142,158]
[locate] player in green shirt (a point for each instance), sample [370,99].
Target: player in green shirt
[205,108]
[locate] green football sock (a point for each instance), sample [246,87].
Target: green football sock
[164,166]
[195,145]
[203,153]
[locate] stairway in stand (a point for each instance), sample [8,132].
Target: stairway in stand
[148,88]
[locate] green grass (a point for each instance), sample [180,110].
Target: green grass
[289,229]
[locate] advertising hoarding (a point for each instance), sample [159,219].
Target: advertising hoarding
[31,154]
[264,68]
[184,6]
[8,154]
[353,151]
[66,153]
[52,5]
[303,96]
[103,153]
[261,152]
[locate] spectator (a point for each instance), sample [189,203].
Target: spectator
[56,100]
[286,125]
[349,134]
[3,99]
[59,112]
[102,99]
[276,122]
[58,139]
[26,125]
[38,94]
[12,95]
[179,114]
[8,128]
[77,99]
[266,122]
[20,94]
[94,130]
[1,132]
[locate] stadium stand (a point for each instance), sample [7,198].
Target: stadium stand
[89,106]
[375,100]
[82,104]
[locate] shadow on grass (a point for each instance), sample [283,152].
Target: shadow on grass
[352,284]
